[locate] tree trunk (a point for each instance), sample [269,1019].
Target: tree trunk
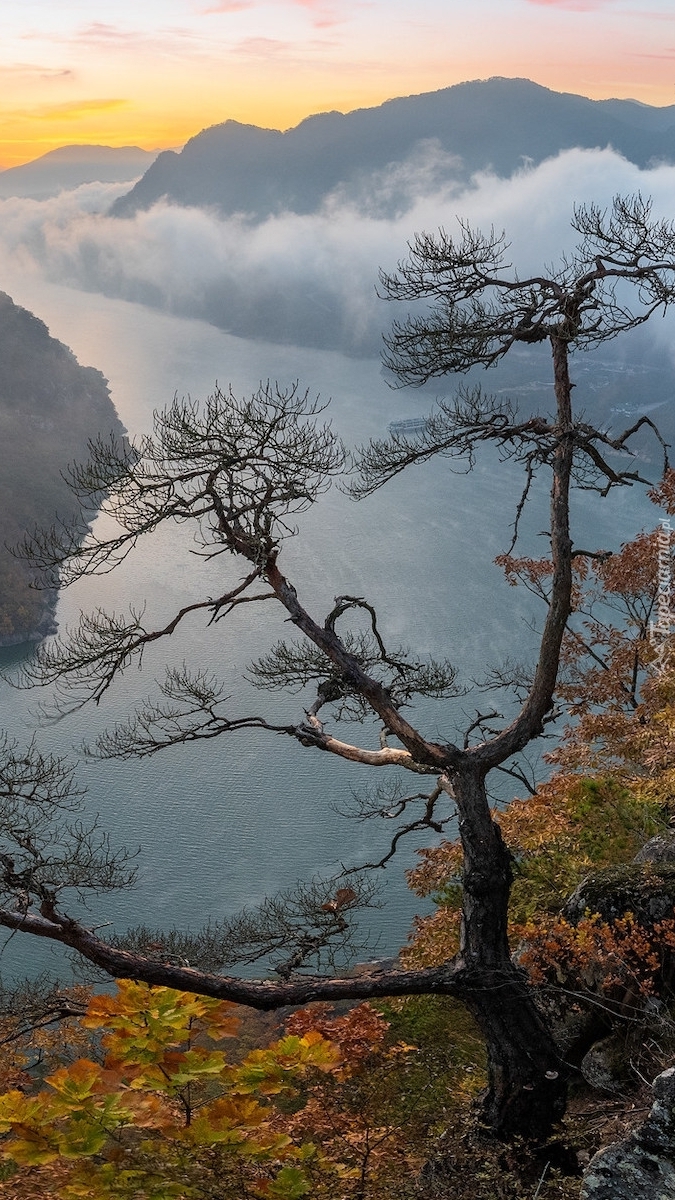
[526,1081]
[526,1091]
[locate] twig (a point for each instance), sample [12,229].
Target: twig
[539,1185]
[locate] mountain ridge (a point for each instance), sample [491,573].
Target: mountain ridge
[496,124]
[68,167]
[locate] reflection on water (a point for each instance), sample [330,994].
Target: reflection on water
[227,822]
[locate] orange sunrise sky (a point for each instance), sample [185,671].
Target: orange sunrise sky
[154,73]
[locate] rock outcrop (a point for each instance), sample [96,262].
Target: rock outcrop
[645,888]
[642,1166]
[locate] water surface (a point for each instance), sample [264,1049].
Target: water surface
[227,822]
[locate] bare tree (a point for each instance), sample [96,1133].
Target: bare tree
[241,471]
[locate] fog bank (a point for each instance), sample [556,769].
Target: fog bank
[306,279]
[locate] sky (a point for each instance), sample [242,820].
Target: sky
[154,72]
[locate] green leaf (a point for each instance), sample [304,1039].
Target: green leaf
[290,1184]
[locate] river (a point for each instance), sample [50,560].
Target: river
[227,822]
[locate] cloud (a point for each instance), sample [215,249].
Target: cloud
[228,6]
[35,71]
[263,47]
[308,278]
[101,34]
[324,18]
[573,5]
[76,108]
[97,33]
[170,41]
[327,20]
[274,49]
[71,110]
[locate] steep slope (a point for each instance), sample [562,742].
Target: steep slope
[50,407]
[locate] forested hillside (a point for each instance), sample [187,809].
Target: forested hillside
[50,407]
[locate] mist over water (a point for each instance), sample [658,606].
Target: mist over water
[227,822]
[308,279]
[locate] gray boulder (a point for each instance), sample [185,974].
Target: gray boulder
[646,889]
[604,1066]
[659,849]
[642,1166]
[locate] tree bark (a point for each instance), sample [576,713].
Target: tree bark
[527,1086]
[526,1092]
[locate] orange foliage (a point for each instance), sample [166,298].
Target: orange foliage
[354,1113]
[357,1035]
[664,492]
[614,957]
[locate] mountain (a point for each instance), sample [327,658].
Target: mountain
[495,123]
[69,166]
[50,407]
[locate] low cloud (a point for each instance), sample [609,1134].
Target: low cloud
[309,279]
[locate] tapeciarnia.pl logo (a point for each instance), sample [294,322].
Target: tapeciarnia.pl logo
[661,629]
